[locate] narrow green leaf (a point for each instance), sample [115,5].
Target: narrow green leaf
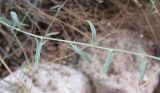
[93,30]
[15,18]
[6,21]
[81,53]
[39,44]
[52,34]
[107,64]
[143,66]
[100,1]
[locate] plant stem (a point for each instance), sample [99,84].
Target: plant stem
[80,43]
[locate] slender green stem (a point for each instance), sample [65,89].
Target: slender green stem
[80,43]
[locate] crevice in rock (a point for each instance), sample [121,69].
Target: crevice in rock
[157,88]
[93,87]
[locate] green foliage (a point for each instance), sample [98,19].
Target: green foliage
[100,1]
[52,34]
[81,53]
[39,44]
[93,30]
[3,19]
[41,40]
[143,66]
[154,2]
[107,64]
[154,8]
[16,20]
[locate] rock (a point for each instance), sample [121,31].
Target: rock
[47,78]
[124,74]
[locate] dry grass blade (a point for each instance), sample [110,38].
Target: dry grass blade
[19,25]
[9,70]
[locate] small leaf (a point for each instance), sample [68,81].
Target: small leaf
[93,30]
[81,53]
[143,66]
[52,34]
[107,64]
[100,1]
[6,21]
[38,50]
[15,18]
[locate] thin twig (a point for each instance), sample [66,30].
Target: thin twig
[9,70]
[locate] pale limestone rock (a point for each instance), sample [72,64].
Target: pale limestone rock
[47,78]
[124,73]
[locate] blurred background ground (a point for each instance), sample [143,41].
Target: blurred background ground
[69,21]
